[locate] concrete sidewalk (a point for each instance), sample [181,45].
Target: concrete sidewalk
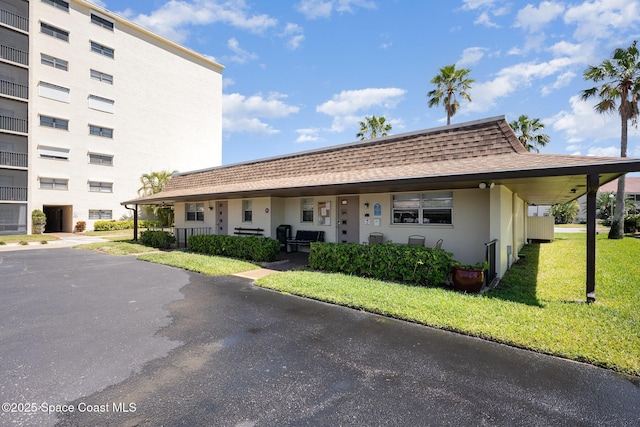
[65,240]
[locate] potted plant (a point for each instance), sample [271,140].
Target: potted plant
[469,278]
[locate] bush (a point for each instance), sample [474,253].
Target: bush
[80,227]
[39,221]
[631,223]
[123,225]
[251,248]
[157,239]
[409,264]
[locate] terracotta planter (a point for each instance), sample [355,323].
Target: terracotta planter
[467,279]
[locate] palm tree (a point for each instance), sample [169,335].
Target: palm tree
[449,83]
[153,183]
[527,131]
[619,90]
[373,127]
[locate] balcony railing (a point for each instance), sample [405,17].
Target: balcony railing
[14,55]
[10,158]
[13,124]
[13,193]
[13,20]
[14,89]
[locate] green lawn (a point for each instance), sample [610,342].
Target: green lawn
[27,238]
[122,247]
[212,266]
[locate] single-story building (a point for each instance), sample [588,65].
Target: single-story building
[469,184]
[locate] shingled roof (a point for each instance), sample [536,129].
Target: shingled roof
[455,156]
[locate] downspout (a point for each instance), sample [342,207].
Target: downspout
[135,221]
[514,229]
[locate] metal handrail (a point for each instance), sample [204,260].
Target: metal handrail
[14,89]
[13,20]
[14,55]
[11,158]
[491,278]
[13,193]
[14,124]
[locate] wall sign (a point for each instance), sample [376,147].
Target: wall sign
[377,209]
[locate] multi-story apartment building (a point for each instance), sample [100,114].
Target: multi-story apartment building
[90,101]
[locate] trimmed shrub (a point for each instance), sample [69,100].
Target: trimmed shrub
[157,239]
[39,221]
[408,264]
[123,225]
[80,227]
[631,223]
[251,248]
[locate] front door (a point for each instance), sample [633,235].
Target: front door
[348,224]
[221,218]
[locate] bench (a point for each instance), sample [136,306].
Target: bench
[243,231]
[304,238]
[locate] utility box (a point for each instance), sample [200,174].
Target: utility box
[540,228]
[283,233]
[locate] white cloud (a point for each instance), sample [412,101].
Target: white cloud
[240,55]
[484,19]
[476,4]
[293,32]
[347,107]
[471,55]
[604,151]
[314,9]
[534,19]
[244,114]
[597,19]
[173,17]
[98,3]
[583,124]
[563,80]
[308,135]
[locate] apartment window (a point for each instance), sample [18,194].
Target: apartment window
[54,32]
[55,92]
[247,211]
[53,153]
[100,159]
[102,104]
[104,23]
[100,187]
[100,214]
[102,50]
[425,208]
[51,61]
[60,4]
[194,212]
[102,77]
[306,210]
[100,131]
[54,183]
[53,122]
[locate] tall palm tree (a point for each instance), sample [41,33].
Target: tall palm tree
[153,183]
[528,130]
[619,90]
[373,127]
[451,82]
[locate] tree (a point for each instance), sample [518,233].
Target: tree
[564,214]
[153,183]
[373,127]
[619,90]
[451,82]
[528,134]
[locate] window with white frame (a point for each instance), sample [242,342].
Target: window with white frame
[247,211]
[100,131]
[100,214]
[306,210]
[55,92]
[102,77]
[102,50]
[100,21]
[53,153]
[101,104]
[423,208]
[100,187]
[52,31]
[54,62]
[54,122]
[54,183]
[100,159]
[60,4]
[194,212]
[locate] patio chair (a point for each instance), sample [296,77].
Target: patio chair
[439,244]
[375,238]
[416,240]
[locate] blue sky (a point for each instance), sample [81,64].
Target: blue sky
[301,74]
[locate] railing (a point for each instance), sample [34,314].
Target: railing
[10,158]
[14,55]
[491,278]
[13,193]
[14,89]
[13,124]
[182,234]
[13,20]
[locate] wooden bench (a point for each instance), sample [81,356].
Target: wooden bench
[244,231]
[304,238]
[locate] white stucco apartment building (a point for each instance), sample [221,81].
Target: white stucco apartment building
[90,101]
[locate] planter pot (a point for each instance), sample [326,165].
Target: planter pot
[468,280]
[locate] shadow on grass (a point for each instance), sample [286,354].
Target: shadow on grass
[519,283]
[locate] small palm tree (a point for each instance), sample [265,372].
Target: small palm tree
[451,82]
[153,183]
[619,91]
[373,127]
[528,134]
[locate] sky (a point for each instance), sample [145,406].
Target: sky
[300,75]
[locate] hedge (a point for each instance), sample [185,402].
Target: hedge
[123,225]
[417,265]
[251,248]
[157,239]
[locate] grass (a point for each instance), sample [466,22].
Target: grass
[212,266]
[17,238]
[122,247]
[537,306]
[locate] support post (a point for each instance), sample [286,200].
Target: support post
[135,221]
[593,183]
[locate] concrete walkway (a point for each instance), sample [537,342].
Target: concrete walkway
[65,240]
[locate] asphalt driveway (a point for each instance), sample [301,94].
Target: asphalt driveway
[124,342]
